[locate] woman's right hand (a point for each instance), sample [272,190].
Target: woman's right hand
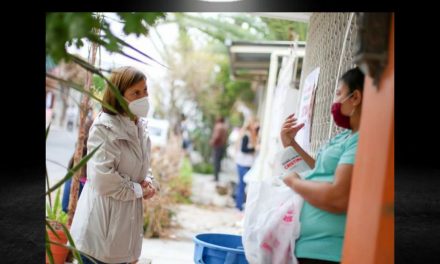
[289,130]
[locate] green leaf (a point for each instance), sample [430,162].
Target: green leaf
[56,206]
[49,211]
[134,22]
[74,250]
[134,25]
[48,250]
[48,186]
[71,248]
[98,83]
[72,171]
[152,17]
[82,90]
[131,57]
[47,130]
[114,89]
[138,51]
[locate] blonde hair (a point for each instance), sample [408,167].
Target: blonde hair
[123,78]
[249,121]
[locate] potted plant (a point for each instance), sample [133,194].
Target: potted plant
[56,217]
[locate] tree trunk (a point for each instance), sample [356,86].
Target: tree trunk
[74,189]
[64,98]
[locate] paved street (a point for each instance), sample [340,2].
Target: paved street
[60,146]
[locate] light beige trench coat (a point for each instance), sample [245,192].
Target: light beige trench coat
[108,222]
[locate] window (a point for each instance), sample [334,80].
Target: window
[297,72]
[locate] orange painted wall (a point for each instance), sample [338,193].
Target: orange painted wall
[370,221]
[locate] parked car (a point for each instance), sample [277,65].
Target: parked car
[158,131]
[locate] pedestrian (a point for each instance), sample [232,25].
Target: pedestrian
[247,147]
[186,139]
[218,144]
[71,117]
[108,222]
[83,176]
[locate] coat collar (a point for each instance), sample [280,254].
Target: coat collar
[120,125]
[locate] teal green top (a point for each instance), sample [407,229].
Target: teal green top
[322,233]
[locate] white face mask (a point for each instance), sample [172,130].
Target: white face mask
[140,107]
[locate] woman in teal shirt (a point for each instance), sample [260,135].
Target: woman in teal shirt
[326,187]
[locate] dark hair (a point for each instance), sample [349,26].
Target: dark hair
[354,79]
[220,119]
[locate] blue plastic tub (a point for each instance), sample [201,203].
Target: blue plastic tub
[218,249]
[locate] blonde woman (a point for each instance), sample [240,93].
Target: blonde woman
[108,222]
[246,148]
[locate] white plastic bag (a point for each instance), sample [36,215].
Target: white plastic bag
[271,222]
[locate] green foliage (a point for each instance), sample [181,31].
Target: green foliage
[56,213]
[186,170]
[232,90]
[236,119]
[67,29]
[203,168]
[98,83]
[201,136]
[219,28]
[138,22]
[279,29]
[72,171]
[235,90]
[181,185]
[221,93]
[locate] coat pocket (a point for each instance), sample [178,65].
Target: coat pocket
[120,230]
[100,217]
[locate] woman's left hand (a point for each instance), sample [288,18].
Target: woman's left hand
[148,189]
[290,178]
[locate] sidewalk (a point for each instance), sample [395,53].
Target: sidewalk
[162,251]
[210,213]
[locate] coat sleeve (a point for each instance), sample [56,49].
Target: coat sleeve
[101,168]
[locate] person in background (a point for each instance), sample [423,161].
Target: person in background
[218,143]
[247,147]
[83,177]
[186,139]
[71,117]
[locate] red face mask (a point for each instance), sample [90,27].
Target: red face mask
[340,119]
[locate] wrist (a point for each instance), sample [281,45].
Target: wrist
[286,142]
[293,142]
[292,180]
[138,190]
